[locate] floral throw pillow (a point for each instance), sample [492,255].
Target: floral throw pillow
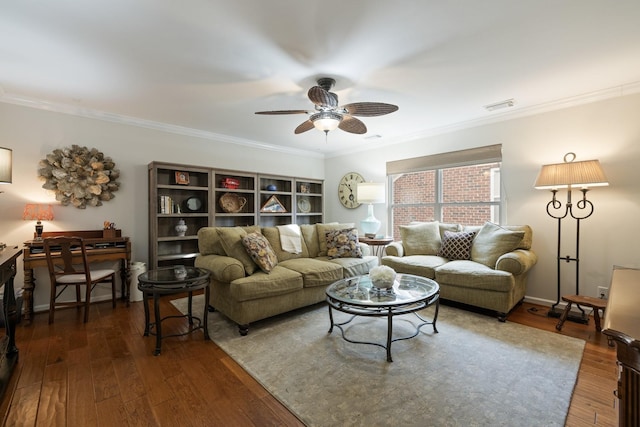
[260,251]
[343,243]
[456,245]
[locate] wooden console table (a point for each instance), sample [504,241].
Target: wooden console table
[8,349]
[622,325]
[100,249]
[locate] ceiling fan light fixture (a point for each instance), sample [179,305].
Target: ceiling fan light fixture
[326,121]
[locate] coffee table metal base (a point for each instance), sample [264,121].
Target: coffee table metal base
[389,313]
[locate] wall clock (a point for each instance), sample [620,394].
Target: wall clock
[347,190]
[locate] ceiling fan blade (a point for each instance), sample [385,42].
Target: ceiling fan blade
[323,98]
[304,126]
[352,125]
[283,112]
[368,109]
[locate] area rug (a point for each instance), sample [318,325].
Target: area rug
[475,372]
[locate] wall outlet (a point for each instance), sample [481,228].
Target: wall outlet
[603,292]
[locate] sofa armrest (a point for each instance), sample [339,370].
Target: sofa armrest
[394,249]
[223,268]
[517,262]
[365,248]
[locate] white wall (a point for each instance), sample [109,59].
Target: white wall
[33,133]
[607,130]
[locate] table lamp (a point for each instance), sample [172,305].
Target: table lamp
[370,193]
[38,212]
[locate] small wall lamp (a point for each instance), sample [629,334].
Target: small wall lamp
[6,161]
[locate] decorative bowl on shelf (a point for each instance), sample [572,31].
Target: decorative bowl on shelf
[232,203]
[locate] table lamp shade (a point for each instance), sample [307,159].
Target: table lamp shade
[38,212]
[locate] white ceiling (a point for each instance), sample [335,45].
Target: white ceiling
[207,65]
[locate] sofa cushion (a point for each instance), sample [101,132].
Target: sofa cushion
[470,274]
[231,239]
[322,233]
[492,242]
[260,251]
[343,243]
[420,265]
[273,236]
[352,267]
[456,245]
[209,242]
[310,239]
[314,272]
[526,242]
[262,285]
[421,239]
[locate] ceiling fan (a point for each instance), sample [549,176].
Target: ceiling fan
[327,115]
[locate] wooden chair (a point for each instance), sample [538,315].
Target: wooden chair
[68,266]
[596,303]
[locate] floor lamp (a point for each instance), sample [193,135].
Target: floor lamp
[570,175]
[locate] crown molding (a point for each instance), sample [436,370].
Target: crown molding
[149,124]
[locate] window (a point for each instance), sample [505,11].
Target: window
[458,187]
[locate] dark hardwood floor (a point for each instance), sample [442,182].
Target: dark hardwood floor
[103,373]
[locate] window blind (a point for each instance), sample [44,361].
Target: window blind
[487,154]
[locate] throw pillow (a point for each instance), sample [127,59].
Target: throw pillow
[343,243]
[492,242]
[260,251]
[456,245]
[322,234]
[231,239]
[421,239]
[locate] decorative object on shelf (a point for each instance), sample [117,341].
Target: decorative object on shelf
[382,276]
[271,187]
[569,175]
[181,228]
[192,204]
[347,189]
[231,183]
[304,205]
[182,178]
[6,161]
[305,188]
[79,176]
[38,212]
[273,205]
[370,192]
[232,203]
[109,229]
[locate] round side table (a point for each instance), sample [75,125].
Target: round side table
[170,281]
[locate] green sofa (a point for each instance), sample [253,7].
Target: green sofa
[245,293]
[483,266]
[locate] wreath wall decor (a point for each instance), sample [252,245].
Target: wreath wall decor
[79,176]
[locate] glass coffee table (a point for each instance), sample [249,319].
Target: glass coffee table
[169,281]
[357,296]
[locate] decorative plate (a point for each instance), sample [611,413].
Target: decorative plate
[232,203]
[192,204]
[304,205]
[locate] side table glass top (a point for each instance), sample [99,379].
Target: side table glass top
[176,276]
[359,290]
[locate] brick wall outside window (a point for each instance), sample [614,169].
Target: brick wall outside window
[465,196]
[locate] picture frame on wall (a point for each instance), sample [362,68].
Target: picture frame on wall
[182,178]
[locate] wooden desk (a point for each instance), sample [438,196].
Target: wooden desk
[622,325]
[102,249]
[8,349]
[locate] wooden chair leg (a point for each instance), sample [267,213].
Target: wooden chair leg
[52,302]
[596,318]
[113,291]
[87,301]
[563,317]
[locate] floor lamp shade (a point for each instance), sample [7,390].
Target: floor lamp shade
[370,192]
[6,161]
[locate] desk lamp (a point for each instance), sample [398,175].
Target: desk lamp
[370,192]
[38,212]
